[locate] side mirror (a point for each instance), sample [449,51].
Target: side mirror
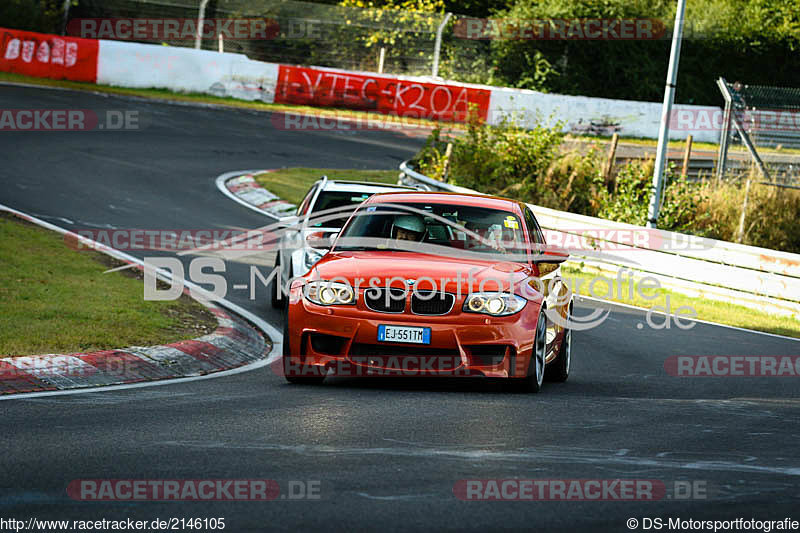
[331,237]
[551,255]
[321,239]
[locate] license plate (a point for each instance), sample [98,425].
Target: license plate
[408,334]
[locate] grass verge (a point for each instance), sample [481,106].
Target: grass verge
[292,184]
[710,310]
[57,300]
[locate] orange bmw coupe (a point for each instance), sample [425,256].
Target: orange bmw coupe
[432,284]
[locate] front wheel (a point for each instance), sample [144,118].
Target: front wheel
[558,370]
[533,381]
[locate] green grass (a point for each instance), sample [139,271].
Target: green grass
[57,300]
[292,184]
[707,309]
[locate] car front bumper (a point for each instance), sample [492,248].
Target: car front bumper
[342,341]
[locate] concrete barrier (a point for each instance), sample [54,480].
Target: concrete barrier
[137,65]
[126,64]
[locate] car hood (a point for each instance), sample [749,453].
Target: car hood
[393,267]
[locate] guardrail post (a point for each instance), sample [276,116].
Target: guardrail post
[686,156]
[380,60]
[609,166]
[201,15]
[724,138]
[437,48]
[447,153]
[740,233]
[65,17]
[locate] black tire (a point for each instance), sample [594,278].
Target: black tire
[535,377]
[558,370]
[308,376]
[276,287]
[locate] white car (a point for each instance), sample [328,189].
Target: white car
[320,216]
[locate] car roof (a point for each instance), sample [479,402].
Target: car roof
[451,198]
[363,186]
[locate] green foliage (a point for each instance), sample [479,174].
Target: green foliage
[496,158]
[573,182]
[509,160]
[391,16]
[680,210]
[771,218]
[630,198]
[406,28]
[32,15]
[754,41]
[530,165]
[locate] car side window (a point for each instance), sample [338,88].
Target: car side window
[306,201]
[533,227]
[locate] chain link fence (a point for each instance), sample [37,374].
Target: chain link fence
[765,121]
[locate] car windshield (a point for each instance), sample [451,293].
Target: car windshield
[471,228]
[327,210]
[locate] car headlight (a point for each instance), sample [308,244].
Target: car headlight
[494,303]
[330,293]
[312,257]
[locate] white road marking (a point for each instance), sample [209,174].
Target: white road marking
[645,310]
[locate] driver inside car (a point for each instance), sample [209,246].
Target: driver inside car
[408,228]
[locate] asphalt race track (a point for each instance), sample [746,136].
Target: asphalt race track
[386,453]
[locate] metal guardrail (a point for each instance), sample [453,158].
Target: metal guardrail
[408,176]
[758,278]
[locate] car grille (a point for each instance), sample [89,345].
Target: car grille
[405,357]
[376,299]
[439,304]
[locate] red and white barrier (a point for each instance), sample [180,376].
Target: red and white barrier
[392,95]
[48,56]
[129,64]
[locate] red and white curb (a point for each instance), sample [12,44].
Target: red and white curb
[245,190]
[236,345]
